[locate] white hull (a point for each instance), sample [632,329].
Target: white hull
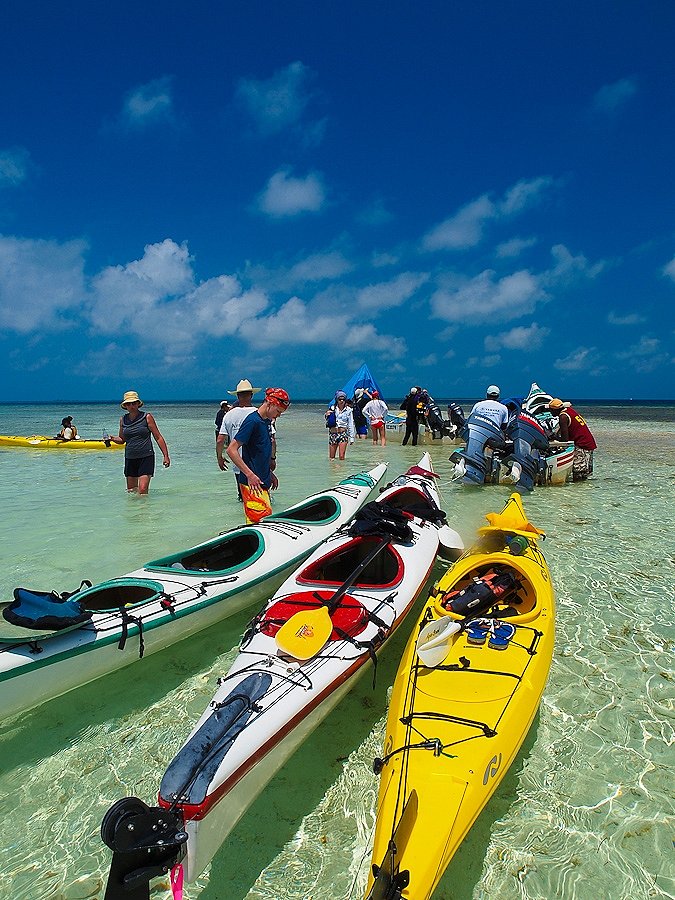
[295,695]
[35,667]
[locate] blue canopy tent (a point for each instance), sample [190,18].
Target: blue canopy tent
[360,379]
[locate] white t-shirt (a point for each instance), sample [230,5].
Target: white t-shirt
[493,410]
[375,409]
[232,422]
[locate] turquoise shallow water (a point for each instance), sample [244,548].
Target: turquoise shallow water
[587,810]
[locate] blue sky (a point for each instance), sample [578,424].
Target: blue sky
[457,193]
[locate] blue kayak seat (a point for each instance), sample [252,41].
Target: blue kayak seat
[45,610]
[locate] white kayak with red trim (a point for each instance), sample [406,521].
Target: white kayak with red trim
[271,699]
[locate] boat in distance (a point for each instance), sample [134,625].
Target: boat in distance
[42,442]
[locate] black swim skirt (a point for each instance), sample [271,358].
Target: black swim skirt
[144,465]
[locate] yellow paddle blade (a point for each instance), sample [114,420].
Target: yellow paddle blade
[305,633]
[512,519]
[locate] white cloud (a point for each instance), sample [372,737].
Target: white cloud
[629,319]
[520,338]
[319,267]
[612,97]
[523,194]
[287,196]
[297,323]
[669,269]
[488,298]
[375,214]
[313,269]
[129,296]
[389,294]
[581,359]
[14,165]
[568,269]
[280,102]
[644,356]
[155,299]
[514,247]
[465,229]
[381,260]
[148,104]
[40,283]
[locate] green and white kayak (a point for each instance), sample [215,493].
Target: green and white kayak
[169,599]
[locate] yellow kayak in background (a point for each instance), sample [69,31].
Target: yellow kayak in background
[465,695]
[41,442]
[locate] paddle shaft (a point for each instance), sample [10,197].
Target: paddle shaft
[333,602]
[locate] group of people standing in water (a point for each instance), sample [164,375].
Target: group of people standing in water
[247,435]
[348,419]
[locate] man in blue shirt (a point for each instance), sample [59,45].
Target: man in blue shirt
[251,452]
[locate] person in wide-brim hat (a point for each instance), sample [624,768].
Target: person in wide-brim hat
[245,387]
[137,429]
[130,397]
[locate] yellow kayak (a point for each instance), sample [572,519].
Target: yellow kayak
[41,442]
[465,695]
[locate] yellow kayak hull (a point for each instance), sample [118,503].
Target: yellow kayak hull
[455,725]
[42,442]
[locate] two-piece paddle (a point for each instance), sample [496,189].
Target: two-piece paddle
[433,641]
[305,633]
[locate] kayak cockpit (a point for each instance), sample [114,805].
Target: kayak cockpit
[120,592]
[319,511]
[224,555]
[384,571]
[501,585]
[413,499]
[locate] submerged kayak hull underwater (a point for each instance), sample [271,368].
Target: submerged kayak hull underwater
[464,698]
[41,442]
[171,598]
[292,669]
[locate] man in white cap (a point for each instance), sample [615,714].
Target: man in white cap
[491,408]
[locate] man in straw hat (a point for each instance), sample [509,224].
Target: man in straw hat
[232,421]
[572,427]
[252,452]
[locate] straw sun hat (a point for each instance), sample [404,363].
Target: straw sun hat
[244,386]
[130,397]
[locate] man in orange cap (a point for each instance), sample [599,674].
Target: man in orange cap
[572,427]
[251,451]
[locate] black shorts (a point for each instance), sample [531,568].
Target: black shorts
[143,465]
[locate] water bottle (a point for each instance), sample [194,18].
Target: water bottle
[106,438]
[517,544]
